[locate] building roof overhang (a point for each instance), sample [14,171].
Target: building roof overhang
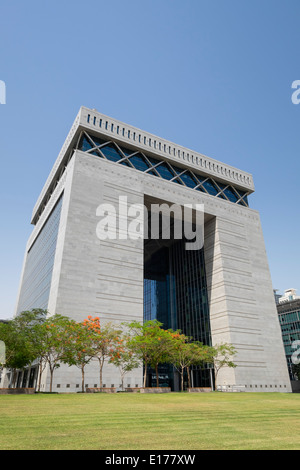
[100,124]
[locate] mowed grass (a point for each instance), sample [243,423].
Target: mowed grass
[171,421]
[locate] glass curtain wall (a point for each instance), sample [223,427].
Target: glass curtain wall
[37,275]
[175,293]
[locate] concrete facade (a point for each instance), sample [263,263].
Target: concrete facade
[105,277]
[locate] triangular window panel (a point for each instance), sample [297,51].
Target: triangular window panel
[240,192]
[221,185]
[151,172]
[231,194]
[111,153]
[200,189]
[96,152]
[200,178]
[127,151]
[97,141]
[85,144]
[125,163]
[165,171]
[139,162]
[189,180]
[177,181]
[153,161]
[244,201]
[210,187]
[177,169]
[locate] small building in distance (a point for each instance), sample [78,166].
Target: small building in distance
[289,294]
[288,308]
[277,296]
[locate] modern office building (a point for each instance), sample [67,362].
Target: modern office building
[289,318]
[220,292]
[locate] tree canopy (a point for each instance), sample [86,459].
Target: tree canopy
[56,339]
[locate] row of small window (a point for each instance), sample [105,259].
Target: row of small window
[295,326]
[287,338]
[137,137]
[136,159]
[129,133]
[95,385]
[289,317]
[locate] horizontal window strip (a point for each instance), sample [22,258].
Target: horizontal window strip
[140,161]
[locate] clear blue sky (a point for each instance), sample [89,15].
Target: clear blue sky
[214,76]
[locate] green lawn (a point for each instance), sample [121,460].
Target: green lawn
[168,421]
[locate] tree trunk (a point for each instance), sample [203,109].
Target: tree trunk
[157,377]
[189,377]
[211,380]
[216,376]
[145,374]
[182,370]
[101,364]
[82,378]
[51,378]
[40,375]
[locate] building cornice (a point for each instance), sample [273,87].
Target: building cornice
[288,306]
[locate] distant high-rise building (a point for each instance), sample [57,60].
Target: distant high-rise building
[289,318]
[289,294]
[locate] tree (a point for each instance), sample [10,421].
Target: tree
[104,338]
[42,347]
[183,354]
[199,354]
[186,353]
[149,344]
[155,346]
[28,319]
[123,356]
[54,338]
[78,350]
[17,354]
[161,345]
[31,322]
[221,356]
[19,338]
